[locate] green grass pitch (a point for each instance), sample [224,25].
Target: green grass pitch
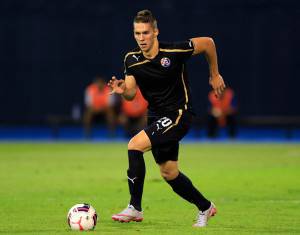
[256,188]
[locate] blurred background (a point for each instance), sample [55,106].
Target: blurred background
[51,51]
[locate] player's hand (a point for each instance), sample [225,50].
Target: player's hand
[117,86]
[217,84]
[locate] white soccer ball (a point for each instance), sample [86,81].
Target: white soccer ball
[82,217]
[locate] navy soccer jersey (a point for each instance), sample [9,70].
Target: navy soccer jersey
[163,79]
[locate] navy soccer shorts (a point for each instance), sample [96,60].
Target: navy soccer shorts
[165,132]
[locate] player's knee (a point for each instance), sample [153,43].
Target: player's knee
[134,144]
[169,174]
[131,144]
[139,143]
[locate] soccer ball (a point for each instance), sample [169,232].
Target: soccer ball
[82,217]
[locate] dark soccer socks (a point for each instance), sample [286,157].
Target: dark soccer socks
[181,184]
[185,189]
[136,175]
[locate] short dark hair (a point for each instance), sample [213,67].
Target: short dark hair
[145,16]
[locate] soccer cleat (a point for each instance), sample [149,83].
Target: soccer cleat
[204,216]
[129,214]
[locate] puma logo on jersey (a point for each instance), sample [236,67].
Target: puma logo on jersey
[132,180]
[136,57]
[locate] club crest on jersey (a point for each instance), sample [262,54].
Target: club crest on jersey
[165,62]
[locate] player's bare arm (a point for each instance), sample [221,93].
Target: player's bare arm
[126,88]
[207,46]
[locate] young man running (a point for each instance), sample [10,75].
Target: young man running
[159,71]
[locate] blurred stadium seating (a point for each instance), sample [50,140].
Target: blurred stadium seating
[50,51]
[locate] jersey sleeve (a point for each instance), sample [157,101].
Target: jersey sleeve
[185,49]
[127,71]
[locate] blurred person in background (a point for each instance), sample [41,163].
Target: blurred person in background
[134,114]
[222,113]
[100,106]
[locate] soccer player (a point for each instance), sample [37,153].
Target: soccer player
[159,70]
